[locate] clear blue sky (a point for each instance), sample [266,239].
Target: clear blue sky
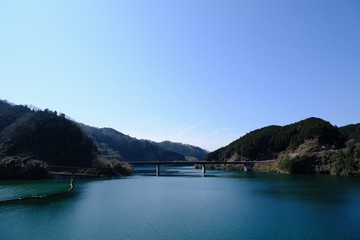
[200,72]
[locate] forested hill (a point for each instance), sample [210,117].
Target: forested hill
[268,142]
[114,145]
[43,135]
[189,151]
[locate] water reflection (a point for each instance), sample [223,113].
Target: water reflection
[321,189]
[310,188]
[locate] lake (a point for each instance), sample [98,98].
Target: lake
[181,204]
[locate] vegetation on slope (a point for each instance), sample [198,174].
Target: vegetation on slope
[343,162]
[15,167]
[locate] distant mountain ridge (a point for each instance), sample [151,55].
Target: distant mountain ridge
[189,151]
[118,146]
[115,145]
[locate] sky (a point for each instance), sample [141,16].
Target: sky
[201,72]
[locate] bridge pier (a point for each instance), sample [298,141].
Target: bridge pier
[157,170]
[203,170]
[248,165]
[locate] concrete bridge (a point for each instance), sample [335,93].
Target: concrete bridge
[157,164]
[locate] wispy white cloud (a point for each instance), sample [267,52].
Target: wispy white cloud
[220,131]
[198,133]
[187,129]
[152,120]
[212,140]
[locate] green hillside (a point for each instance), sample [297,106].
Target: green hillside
[306,147]
[268,142]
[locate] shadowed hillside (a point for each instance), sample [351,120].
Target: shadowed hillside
[45,136]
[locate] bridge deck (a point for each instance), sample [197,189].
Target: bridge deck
[202,163]
[192,162]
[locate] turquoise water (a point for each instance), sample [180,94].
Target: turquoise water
[223,205]
[15,189]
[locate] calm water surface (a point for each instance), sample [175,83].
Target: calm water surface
[223,205]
